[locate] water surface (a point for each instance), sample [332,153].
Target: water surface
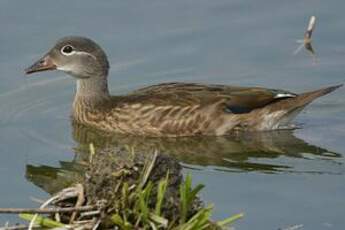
[277,179]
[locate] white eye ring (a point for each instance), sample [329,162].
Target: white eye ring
[67,50]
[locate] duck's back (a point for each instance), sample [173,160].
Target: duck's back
[184,94]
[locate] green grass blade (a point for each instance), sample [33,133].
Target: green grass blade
[161,189]
[123,224]
[230,220]
[201,220]
[42,221]
[159,220]
[187,197]
[195,191]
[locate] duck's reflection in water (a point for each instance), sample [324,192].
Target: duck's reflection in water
[238,152]
[265,152]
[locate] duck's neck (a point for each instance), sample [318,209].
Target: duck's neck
[92,90]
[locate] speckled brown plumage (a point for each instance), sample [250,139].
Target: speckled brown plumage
[169,109]
[179,109]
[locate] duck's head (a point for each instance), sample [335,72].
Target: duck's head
[78,56]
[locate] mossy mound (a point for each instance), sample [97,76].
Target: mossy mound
[119,188]
[112,169]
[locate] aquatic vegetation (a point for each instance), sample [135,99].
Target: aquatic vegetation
[125,189]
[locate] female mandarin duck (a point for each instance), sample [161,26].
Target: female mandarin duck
[169,109]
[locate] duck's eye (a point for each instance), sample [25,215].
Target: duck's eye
[67,50]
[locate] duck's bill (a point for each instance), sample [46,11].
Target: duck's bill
[43,64]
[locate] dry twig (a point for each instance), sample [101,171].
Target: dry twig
[47,210]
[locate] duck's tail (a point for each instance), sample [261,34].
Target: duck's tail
[279,114]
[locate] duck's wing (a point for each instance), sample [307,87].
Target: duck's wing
[180,109]
[233,99]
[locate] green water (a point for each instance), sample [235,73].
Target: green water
[278,179]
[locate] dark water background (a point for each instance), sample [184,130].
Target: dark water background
[277,179]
